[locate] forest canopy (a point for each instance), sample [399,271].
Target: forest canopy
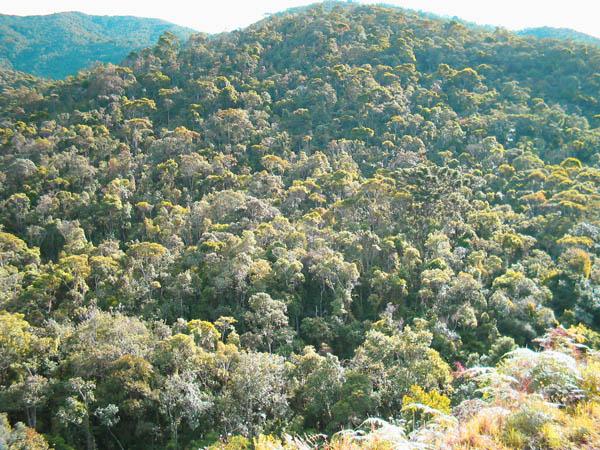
[342,217]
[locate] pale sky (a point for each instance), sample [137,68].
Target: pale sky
[214,16]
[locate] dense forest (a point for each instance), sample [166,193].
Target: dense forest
[61,44]
[345,227]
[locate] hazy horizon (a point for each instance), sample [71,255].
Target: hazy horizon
[227,15]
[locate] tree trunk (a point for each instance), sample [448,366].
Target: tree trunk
[115,438]
[89,438]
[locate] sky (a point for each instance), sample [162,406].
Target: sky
[213,16]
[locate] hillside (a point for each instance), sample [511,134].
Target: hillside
[60,44]
[339,218]
[560,33]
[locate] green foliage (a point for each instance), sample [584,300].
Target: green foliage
[59,45]
[302,225]
[20,437]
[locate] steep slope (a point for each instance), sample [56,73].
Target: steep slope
[60,44]
[337,213]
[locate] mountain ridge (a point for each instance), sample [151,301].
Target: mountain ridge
[59,44]
[559,33]
[88,38]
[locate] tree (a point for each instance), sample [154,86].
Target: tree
[316,385]
[77,407]
[180,399]
[357,402]
[398,361]
[15,340]
[254,396]
[108,417]
[29,395]
[268,322]
[146,262]
[20,437]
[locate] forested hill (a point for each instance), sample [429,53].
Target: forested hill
[560,33]
[337,214]
[61,44]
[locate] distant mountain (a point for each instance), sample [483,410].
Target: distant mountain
[58,45]
[559,33]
